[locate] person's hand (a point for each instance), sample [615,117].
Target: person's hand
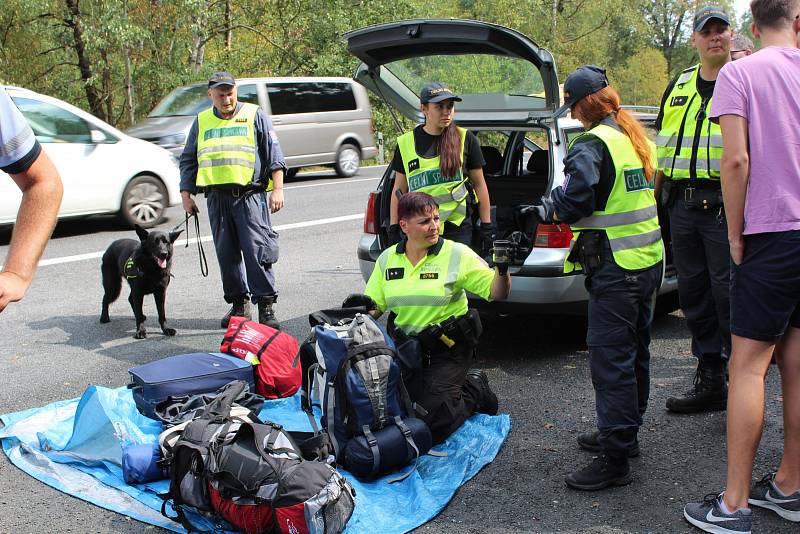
[737,249]
[544,211]
[12,288]
[488,233]
[395,234]
[189,205]
[276,200]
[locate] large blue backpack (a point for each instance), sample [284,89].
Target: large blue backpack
[350,368]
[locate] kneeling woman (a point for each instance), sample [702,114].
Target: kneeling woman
[445,161]
[423,281]
[608,201]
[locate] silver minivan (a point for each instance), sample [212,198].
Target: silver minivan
[319,121]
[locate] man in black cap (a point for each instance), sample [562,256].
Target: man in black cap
[688,183]
[232,155]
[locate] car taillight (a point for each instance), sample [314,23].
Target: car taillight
[552,236]
[370,225]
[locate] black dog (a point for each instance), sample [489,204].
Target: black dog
[146,265]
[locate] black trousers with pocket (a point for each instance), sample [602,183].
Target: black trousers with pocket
[702,258]
[444,392]
[621,304]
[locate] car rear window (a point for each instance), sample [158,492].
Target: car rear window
[310,97]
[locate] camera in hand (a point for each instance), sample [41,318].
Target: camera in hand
[502,251]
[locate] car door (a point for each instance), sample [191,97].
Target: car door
[85,160]
[501,75]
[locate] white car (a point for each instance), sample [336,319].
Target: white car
[103,169]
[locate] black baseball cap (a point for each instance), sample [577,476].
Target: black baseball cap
[707,13]
[221,78]
[436,92]
[581,83]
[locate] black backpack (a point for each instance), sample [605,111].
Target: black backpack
[253,475]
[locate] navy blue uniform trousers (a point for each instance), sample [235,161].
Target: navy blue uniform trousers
[245,242]
[702,258]
[621,306]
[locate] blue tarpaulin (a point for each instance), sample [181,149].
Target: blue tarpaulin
[76,445]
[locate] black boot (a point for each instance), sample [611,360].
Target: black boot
[710,392]
[604,471]
[488,403]
[266,312]
[589,442]
[240,308]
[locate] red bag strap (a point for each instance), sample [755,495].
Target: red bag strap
[267,344]
[231,338]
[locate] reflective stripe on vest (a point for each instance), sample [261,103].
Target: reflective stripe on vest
[226,148]
[630,218]
[450,193]
[679,125]
[431,302]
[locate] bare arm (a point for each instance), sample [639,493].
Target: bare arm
[400,184]
[276,197]
[41,197]
[479,185]
[501,286]
[735,176]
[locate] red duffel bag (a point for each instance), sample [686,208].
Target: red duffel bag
[272,353]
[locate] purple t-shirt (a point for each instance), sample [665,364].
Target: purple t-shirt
[764,88]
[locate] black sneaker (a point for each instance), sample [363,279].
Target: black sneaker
[709,394]
[239,309]
[604,471]
[589,442]
[765,494]
[488,403]
[708,516]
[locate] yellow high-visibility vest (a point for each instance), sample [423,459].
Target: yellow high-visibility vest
[680,133]
[630,217]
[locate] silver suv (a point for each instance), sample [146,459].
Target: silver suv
[510,92]
[319,121]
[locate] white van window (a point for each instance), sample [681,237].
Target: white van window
[52,124]
[310,97]
[247,93]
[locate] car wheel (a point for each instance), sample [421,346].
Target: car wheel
[348,159]
[291,172]
[144,201]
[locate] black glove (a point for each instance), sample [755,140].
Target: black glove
[488,233]
[544,211]
[395,234]
[355,300]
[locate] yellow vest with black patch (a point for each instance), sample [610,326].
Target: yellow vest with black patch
[630,218]
[423,174]
[226,148]
[681,132]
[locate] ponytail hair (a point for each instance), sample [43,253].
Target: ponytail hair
[450,151]
[599,105]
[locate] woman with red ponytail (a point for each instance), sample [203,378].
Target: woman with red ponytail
[607,199]
[445,161]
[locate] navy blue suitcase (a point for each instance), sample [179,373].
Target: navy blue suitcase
[183,375]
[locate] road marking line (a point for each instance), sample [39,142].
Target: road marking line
[288,226]
[337,182]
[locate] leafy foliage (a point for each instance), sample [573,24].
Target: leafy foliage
[118,58]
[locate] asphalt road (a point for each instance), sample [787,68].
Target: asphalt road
[55,347]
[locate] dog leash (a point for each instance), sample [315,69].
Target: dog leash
[200,251]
